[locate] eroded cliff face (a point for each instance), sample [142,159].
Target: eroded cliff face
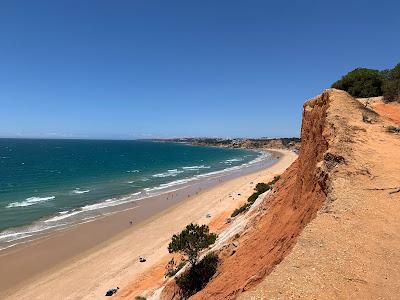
[344,181]
[351,249]
[295,200]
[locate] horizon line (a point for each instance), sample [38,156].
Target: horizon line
[146,139]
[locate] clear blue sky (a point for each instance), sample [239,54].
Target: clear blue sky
[126,69]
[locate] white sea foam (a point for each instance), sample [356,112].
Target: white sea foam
[204,175]
[30,201]
[79,191]
[177,182]
[105,204]
[169,173]
[112,202]
[167,185]
[195,168]
[231,161]
[10,235]
[62,215]
[133,171]
[234,159]
[261,157]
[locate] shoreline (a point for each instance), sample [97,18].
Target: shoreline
[49,256]
[49,224]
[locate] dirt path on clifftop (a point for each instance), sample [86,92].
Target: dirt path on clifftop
[351,250]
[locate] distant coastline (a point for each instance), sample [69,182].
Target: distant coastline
[292,143]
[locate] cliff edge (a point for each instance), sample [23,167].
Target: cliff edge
[330,228]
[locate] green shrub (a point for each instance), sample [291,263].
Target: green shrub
[273,181]
[262,187]
[197,277]
[241,209]
[361,83]
[391,84]
[253,197]
[191,241]
[364,83]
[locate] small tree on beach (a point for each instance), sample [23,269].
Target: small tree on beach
[191,241]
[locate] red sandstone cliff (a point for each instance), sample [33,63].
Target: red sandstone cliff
[339,157]
[296,198]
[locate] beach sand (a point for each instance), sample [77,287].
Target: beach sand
[48,270]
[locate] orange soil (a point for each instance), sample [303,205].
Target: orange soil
[351,250]
[295,201]
[390,110]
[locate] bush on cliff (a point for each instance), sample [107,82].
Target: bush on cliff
[364,83]
[276,178]
[191,241]
[241,209]
[197,277]
[262,187]
[361,83]
[391,84]
[253,197]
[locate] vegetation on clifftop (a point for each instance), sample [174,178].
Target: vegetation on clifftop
[364,83]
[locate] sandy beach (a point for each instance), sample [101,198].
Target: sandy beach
[50,269]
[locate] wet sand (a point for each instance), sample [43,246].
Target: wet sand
[83,261]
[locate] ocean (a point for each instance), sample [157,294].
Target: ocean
[50,184]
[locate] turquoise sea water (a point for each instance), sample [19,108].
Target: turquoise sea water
[52,180]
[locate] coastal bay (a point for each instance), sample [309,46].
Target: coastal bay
[86,259]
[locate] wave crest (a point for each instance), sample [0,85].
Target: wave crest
[169,173]
[30,201]
[79,191]
[195,168]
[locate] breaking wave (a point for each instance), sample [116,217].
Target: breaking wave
[169,173]
[30,201]
[79,191]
